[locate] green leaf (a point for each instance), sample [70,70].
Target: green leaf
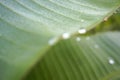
[27,25]
[81,58]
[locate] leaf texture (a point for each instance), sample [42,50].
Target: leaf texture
[27,25]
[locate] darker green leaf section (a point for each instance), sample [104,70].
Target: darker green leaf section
[81,58]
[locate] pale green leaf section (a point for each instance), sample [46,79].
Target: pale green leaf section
[94,57]
[27,25]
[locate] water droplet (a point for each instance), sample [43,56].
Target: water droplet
[82,20]
[52,41]
[87,38]
[78,39]
[82,31]
[111,61]
[96,46]
[66,35]
[106,18]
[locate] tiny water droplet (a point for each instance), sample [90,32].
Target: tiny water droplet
[52,41]
[87,38]
[82,20]
[82,31]
[78,39]
[66,35]
[106,18]
[111,61]
[96,46]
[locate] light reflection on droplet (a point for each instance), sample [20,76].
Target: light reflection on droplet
[52,41]
[66,35]
[111,61]
[82,31]
[78,39]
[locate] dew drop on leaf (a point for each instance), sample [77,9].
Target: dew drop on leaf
[111,61]
[82,31]
[65,35]
[52,41]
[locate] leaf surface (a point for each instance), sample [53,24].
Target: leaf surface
[27,25]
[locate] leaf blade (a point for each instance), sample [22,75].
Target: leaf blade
[26,26]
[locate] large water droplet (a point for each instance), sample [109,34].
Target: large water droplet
[111,61]
[82,31]
[66,35]
[78,39]
[52,41]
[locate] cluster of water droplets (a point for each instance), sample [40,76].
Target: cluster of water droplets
[81,31]
[66,35]
[52,41]
[78,38]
